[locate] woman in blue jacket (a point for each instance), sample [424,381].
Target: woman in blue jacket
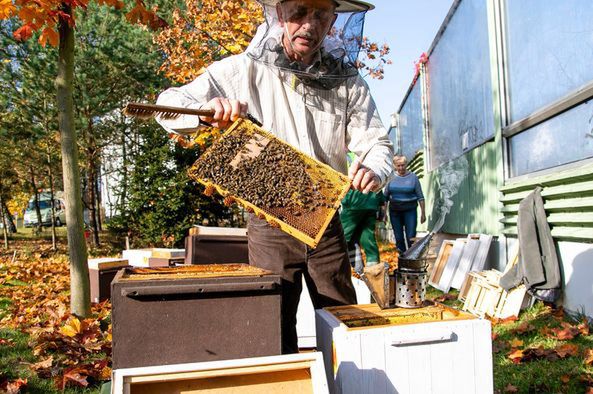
[404,194]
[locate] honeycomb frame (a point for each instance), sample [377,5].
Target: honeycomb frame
[306,224]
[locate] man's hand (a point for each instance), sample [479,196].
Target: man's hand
[226,111]
[363,179]
[422,218]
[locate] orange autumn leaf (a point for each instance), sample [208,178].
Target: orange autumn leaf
[588,357]
[583,327]
[516,356]
[75,376]
[15,386]
[23,33]
[506,320]
[565,378]
[568,349]
[49,35]
[515,343]
[567,331]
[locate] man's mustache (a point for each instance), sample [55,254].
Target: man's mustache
[306,35]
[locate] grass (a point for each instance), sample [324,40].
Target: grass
[561,375]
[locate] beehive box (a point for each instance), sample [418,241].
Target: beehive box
[270,178]
[433,349]
[195,313]
[289,373]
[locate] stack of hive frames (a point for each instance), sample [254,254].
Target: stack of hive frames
[248,165]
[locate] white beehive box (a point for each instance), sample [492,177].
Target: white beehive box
[452,354]
[307,337]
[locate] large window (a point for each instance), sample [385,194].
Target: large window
[560,140]
[460,88]
[410,124]
[549,51]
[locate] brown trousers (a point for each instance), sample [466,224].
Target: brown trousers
[326,270]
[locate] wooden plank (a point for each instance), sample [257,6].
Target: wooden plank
[559,218]
[444,283]
[465,262]
[440,262]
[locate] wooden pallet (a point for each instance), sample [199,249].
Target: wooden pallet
[485,297]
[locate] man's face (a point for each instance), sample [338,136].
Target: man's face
[306,23]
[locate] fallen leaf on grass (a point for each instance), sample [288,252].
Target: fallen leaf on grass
[565,378]
[568,349]
[510,389]
[506,320]
[445,297]
[523,328]
[499,346]
[6,342]
[583,327]
[589,390]
[589,357]
[74,376]
[515,343]
[72,327]
[516,356]
[43,364]
[13,386]
[558,312]
[568,331]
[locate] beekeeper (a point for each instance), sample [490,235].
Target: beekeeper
[299,79]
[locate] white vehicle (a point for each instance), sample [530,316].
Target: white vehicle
[30,219]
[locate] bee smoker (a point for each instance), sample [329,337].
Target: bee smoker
[406,286]
[411,275]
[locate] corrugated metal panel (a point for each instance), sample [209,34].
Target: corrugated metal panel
[568,201]
[475,206]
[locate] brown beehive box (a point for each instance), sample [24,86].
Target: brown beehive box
[289,189]
[173,315]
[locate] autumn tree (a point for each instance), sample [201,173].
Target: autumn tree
[55,22]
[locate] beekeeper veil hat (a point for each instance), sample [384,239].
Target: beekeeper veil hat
[337,51]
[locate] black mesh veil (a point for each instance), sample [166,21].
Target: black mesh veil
[336,56]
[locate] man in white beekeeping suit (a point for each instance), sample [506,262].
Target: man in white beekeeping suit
[298,78]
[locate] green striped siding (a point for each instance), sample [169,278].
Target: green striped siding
[568,201]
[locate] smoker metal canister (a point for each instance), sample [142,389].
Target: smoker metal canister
[410,287]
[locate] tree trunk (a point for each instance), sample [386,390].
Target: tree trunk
[124,177]
[80,297]
[36,194]
[99,200]
[4,223]
[91,180]
[8,217]
[53,202]
[92,200]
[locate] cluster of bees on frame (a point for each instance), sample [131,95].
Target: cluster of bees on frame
[275,178]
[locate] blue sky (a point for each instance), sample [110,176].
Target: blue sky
[408,27]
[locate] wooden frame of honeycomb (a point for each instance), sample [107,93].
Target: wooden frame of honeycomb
[310,208]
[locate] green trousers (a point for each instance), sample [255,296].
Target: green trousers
[359,226]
